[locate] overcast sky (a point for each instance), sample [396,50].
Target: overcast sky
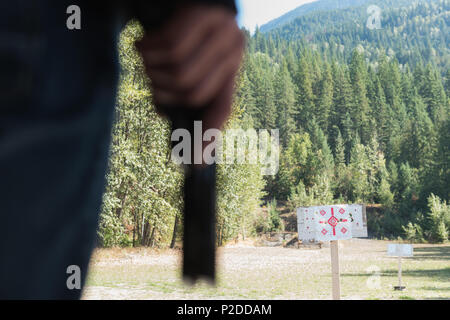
[258,12]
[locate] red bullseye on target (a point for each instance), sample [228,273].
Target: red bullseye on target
[333,221]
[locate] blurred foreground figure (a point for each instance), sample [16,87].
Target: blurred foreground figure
[57,96]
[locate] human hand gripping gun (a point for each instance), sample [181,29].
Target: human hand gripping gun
[208,46]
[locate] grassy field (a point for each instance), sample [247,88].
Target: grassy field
[249,272]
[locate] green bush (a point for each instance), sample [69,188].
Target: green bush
[261,222]
[268,220]
[439,210]
[111,231]
[275,220]
[414,233]
[391,225]
[433,226]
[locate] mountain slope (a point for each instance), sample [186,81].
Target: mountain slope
[329,5]
[308,8]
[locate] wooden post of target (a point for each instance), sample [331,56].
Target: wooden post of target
[400,272]
[334,246]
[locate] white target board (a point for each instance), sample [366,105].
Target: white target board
[332,222]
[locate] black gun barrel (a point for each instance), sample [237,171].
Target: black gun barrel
[199,238]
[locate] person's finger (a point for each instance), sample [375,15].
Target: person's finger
[216,113]
[168,93]
[216,48]
[211,84]
[165,97]
[207,57]
[176,42]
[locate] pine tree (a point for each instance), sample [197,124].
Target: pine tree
[342,100]
[433,94]
[359,166]
[339,151]
[285,101]
[408,191]
[385,196]
[324,99]
[382,114]
[420,138]
[342,178]
[305,98]
[360,107]
[447,83]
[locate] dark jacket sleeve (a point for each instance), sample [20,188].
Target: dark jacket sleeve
[227,3]
[153,13]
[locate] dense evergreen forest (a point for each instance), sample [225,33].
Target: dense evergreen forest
[411,31]
[363,116]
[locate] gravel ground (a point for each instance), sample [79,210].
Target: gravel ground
[249,272]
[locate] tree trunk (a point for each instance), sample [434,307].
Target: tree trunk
[151,241]
[122,204]
[134,228]
[146,241]
[142,230]
[220,237]
[174,235]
